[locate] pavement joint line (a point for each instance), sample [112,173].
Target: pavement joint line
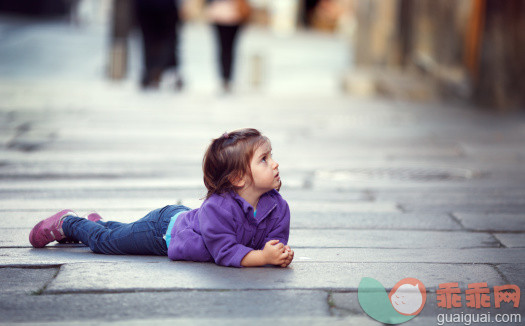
[399,263]
[72,245]
[401,208]
[181,289]
[392,229]
[496,239]
[28,266]
[44,287]
[369,194]
[331,304]
[39,266]
[399,248]
[500,273]
[328,290]
[456,219]
[500,231]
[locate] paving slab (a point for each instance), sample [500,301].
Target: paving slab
[492,222]
[341,238]
[155,202]
[25,280]
[484,150]
[227,321]
[64,254]
[514,274]
[102,277]
[299,220]
[100,156]
[303,219]
[126,192]
[93,203]
[27,218]
[452,195]
[347,304]
[15,238]
[176,304]
[108,170]
[499,208]
[511,240]
[75,187]
[405,151]
[411,255]
[391,221]
[96,184]
[388,184]
[390,239]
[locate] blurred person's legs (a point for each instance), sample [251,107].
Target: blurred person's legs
[158,21]
[226,39]
[307,11]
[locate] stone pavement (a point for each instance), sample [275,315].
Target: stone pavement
[377,188]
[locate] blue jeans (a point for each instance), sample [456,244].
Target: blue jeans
[143,237]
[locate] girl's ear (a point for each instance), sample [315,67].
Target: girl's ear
[238,182]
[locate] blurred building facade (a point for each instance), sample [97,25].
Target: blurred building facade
[472,50]
[420,49]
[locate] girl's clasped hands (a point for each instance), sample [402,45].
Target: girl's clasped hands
[277,253]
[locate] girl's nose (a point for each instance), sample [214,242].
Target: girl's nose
[276,165]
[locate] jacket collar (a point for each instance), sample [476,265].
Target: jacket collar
[266,204]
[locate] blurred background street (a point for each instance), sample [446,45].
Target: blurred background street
[401,153]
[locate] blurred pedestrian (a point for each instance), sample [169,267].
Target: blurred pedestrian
[159,24]
[227,18]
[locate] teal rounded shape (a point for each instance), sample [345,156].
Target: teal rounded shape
[374,300]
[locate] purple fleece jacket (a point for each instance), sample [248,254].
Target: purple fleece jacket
[224,229]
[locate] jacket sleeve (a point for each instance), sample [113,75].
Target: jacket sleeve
[281,230]
[219,234]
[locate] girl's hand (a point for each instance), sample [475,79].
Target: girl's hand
[289,259]
[275,253]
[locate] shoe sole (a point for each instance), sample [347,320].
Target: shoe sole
[32,235]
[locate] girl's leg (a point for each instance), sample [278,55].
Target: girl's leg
[94,217]
[111,224]
[143,237]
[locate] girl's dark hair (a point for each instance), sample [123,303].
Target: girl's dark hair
[228,157]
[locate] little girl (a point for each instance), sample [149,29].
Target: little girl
[243,221]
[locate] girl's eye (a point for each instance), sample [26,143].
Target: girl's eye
[263,159]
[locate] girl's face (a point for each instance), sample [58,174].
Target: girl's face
[265,172]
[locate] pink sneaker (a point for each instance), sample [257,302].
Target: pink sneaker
[93,217]
[49,230]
